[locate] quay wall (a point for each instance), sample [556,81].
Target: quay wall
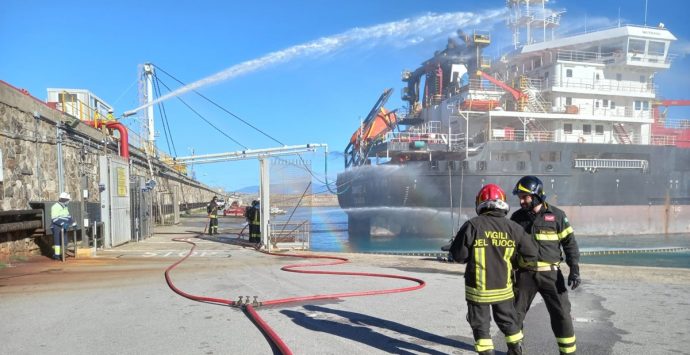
[29,167]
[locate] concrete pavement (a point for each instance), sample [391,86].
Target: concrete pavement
[119,303]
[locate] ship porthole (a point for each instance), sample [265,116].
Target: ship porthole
[549,167]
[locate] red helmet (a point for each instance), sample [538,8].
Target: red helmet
[491,197]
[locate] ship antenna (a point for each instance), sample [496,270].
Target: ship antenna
[645,13]
[619,16]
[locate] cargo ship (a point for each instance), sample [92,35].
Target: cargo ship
[582,112]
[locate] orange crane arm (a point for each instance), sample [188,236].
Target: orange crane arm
[517,95]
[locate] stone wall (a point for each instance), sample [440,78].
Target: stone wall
[28,144]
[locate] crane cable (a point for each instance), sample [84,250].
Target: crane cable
[310,171]
[250,307]
[164,118]
[204,118]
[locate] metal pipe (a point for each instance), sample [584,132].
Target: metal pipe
[34,212]
[20,226]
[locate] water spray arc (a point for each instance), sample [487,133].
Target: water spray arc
[406,31]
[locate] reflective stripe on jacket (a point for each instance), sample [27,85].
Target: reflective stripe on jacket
[552,231]
[488,244]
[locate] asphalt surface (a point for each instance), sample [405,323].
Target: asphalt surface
[118,302]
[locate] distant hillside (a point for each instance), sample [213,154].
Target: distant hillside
[316,189]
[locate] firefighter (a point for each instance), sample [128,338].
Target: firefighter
[212,210]
[550,228]
[61,221]
[487,243]
[254,220]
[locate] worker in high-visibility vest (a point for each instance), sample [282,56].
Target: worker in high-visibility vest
[61,220]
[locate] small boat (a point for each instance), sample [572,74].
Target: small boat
[276,210]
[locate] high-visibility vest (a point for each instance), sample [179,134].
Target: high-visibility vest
[58,211]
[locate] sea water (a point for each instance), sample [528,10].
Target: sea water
[329,233]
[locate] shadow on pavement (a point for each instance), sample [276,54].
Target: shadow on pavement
[359,329]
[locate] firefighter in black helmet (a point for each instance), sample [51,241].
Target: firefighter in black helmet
[488,244]
[552,231]
[212,210]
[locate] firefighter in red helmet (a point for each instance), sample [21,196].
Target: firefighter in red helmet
[488,244]
[552,232]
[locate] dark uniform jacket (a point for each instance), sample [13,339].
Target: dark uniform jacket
[551,230]
[488,244]
[212,209]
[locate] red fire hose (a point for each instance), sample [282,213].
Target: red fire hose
[250,308]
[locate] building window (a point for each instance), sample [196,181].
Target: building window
[568,73]
[568,128]
[636,46]
[619,76]
[642,79]
[613,105]
[637,105]
[599,130]
[568,101]
[606,103]
[657,48]
[596,103]
[645,105]
[587,128]
[67,97]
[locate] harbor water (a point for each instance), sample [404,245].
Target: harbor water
[329,233]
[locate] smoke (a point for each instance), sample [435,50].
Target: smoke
[406,32]
[682,47]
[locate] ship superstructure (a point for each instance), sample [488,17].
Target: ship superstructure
[581,112]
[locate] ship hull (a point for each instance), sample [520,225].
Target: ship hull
[432,198]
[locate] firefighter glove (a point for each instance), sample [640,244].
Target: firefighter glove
[574,277]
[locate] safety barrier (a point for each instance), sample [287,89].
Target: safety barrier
[582,253]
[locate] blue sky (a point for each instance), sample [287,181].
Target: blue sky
[296,93]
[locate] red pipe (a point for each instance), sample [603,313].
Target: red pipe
[265,328]
[124,137]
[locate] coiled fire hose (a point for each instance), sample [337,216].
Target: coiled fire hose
[250,308]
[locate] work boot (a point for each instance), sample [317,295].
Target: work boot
[515,348]
[487,352]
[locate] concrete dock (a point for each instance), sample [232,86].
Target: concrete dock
[118,302]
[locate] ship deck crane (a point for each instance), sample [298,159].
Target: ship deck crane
[517,95]
[353,155]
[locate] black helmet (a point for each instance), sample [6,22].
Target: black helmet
[531,185]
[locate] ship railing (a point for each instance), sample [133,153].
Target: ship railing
[519,135]
[480,85]
[604,85]
[429,138]
[592,164]
[580,56]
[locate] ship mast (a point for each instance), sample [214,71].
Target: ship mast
[148,80]
[528,15]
